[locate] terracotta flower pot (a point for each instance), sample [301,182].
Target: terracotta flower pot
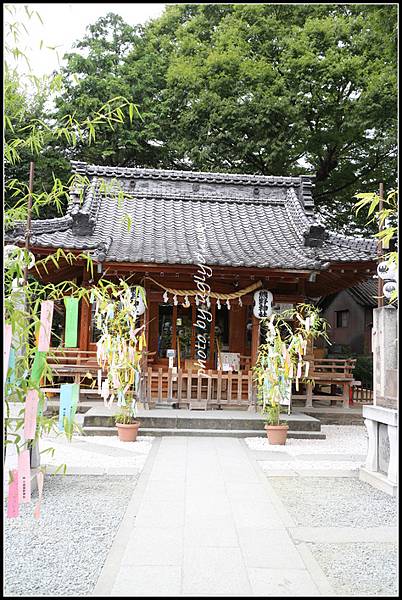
[277,434]
[128,433]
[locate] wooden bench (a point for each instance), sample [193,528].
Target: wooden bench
[328,371]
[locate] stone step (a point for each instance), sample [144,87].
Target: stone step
[215,421]
[240,433]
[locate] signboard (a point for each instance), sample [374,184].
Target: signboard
[262,307]
[230,361]
[387,271]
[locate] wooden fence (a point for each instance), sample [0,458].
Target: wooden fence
[188,389]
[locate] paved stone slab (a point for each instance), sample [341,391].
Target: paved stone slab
[147,581]
[281,582]
[208,523]
[214,571]
[345,535]
[269,548]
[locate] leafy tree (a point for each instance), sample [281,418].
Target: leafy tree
[259,88]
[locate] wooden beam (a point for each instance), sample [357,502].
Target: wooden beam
[255,339]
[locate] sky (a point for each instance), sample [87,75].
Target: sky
[63,24]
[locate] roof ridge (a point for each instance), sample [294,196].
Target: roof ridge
[130,172]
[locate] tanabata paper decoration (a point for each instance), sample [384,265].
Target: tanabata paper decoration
[8,332]
[38,367]
[24,477]
[31,411]
[13,509]
[71,329]
[45,327]
[40,478]
[69,393]
[11,366]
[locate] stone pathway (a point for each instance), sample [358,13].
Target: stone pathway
[205,521]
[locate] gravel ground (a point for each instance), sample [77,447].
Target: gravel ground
[335,502]
[359,569]
[62,554]
[340,439]
[96,451]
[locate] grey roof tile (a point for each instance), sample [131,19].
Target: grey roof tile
[165,207]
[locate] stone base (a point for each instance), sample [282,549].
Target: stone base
[381,465]
[379,481]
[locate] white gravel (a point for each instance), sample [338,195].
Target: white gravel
[357,569]
[335,502]
[96,451]
[62,554]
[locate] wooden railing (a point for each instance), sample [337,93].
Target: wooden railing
[188,389]
[362,395]
[214,388]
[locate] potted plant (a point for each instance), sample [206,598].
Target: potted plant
[282,360]
[127,425]
[277,429]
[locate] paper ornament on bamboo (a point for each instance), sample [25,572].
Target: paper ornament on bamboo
[69,393]
[13,509]
[8,333]
[71,328]
[24,477]
[38,367]
[138,298]
[31,412]
[45,327]
[40,479]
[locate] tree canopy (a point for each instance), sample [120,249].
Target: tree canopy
[257,88]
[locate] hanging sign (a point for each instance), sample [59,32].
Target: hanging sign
[262,304]
[389,287]
[31,411]
[46,316]
[38,367]
[68,396]
[24,477]
[71,329]
[13,503]
[387,271]
[7,347]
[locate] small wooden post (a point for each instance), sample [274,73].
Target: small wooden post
[255,340]
[380,292]
[29,214]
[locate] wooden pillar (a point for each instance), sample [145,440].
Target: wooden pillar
[255,340]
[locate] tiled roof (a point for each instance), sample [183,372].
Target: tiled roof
[249,220]
[365,292]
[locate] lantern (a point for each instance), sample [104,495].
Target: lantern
[262,307]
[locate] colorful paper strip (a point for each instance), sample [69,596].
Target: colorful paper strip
[45,328]
[71,329]
[24,477]
[38,367]
[69,394]
[31,411]
[40,479]
[8,333]
[13,509]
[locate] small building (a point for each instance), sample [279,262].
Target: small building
[350,316]
[157,226]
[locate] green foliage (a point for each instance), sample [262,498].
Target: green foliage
[386,220]
[258,88]
[280,359]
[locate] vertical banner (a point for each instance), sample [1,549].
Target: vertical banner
[71,328]
[40,479]
[13,509]
[31,411]
[38,367]
[8,332]
[45,327]
[24,477]
[69,393]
